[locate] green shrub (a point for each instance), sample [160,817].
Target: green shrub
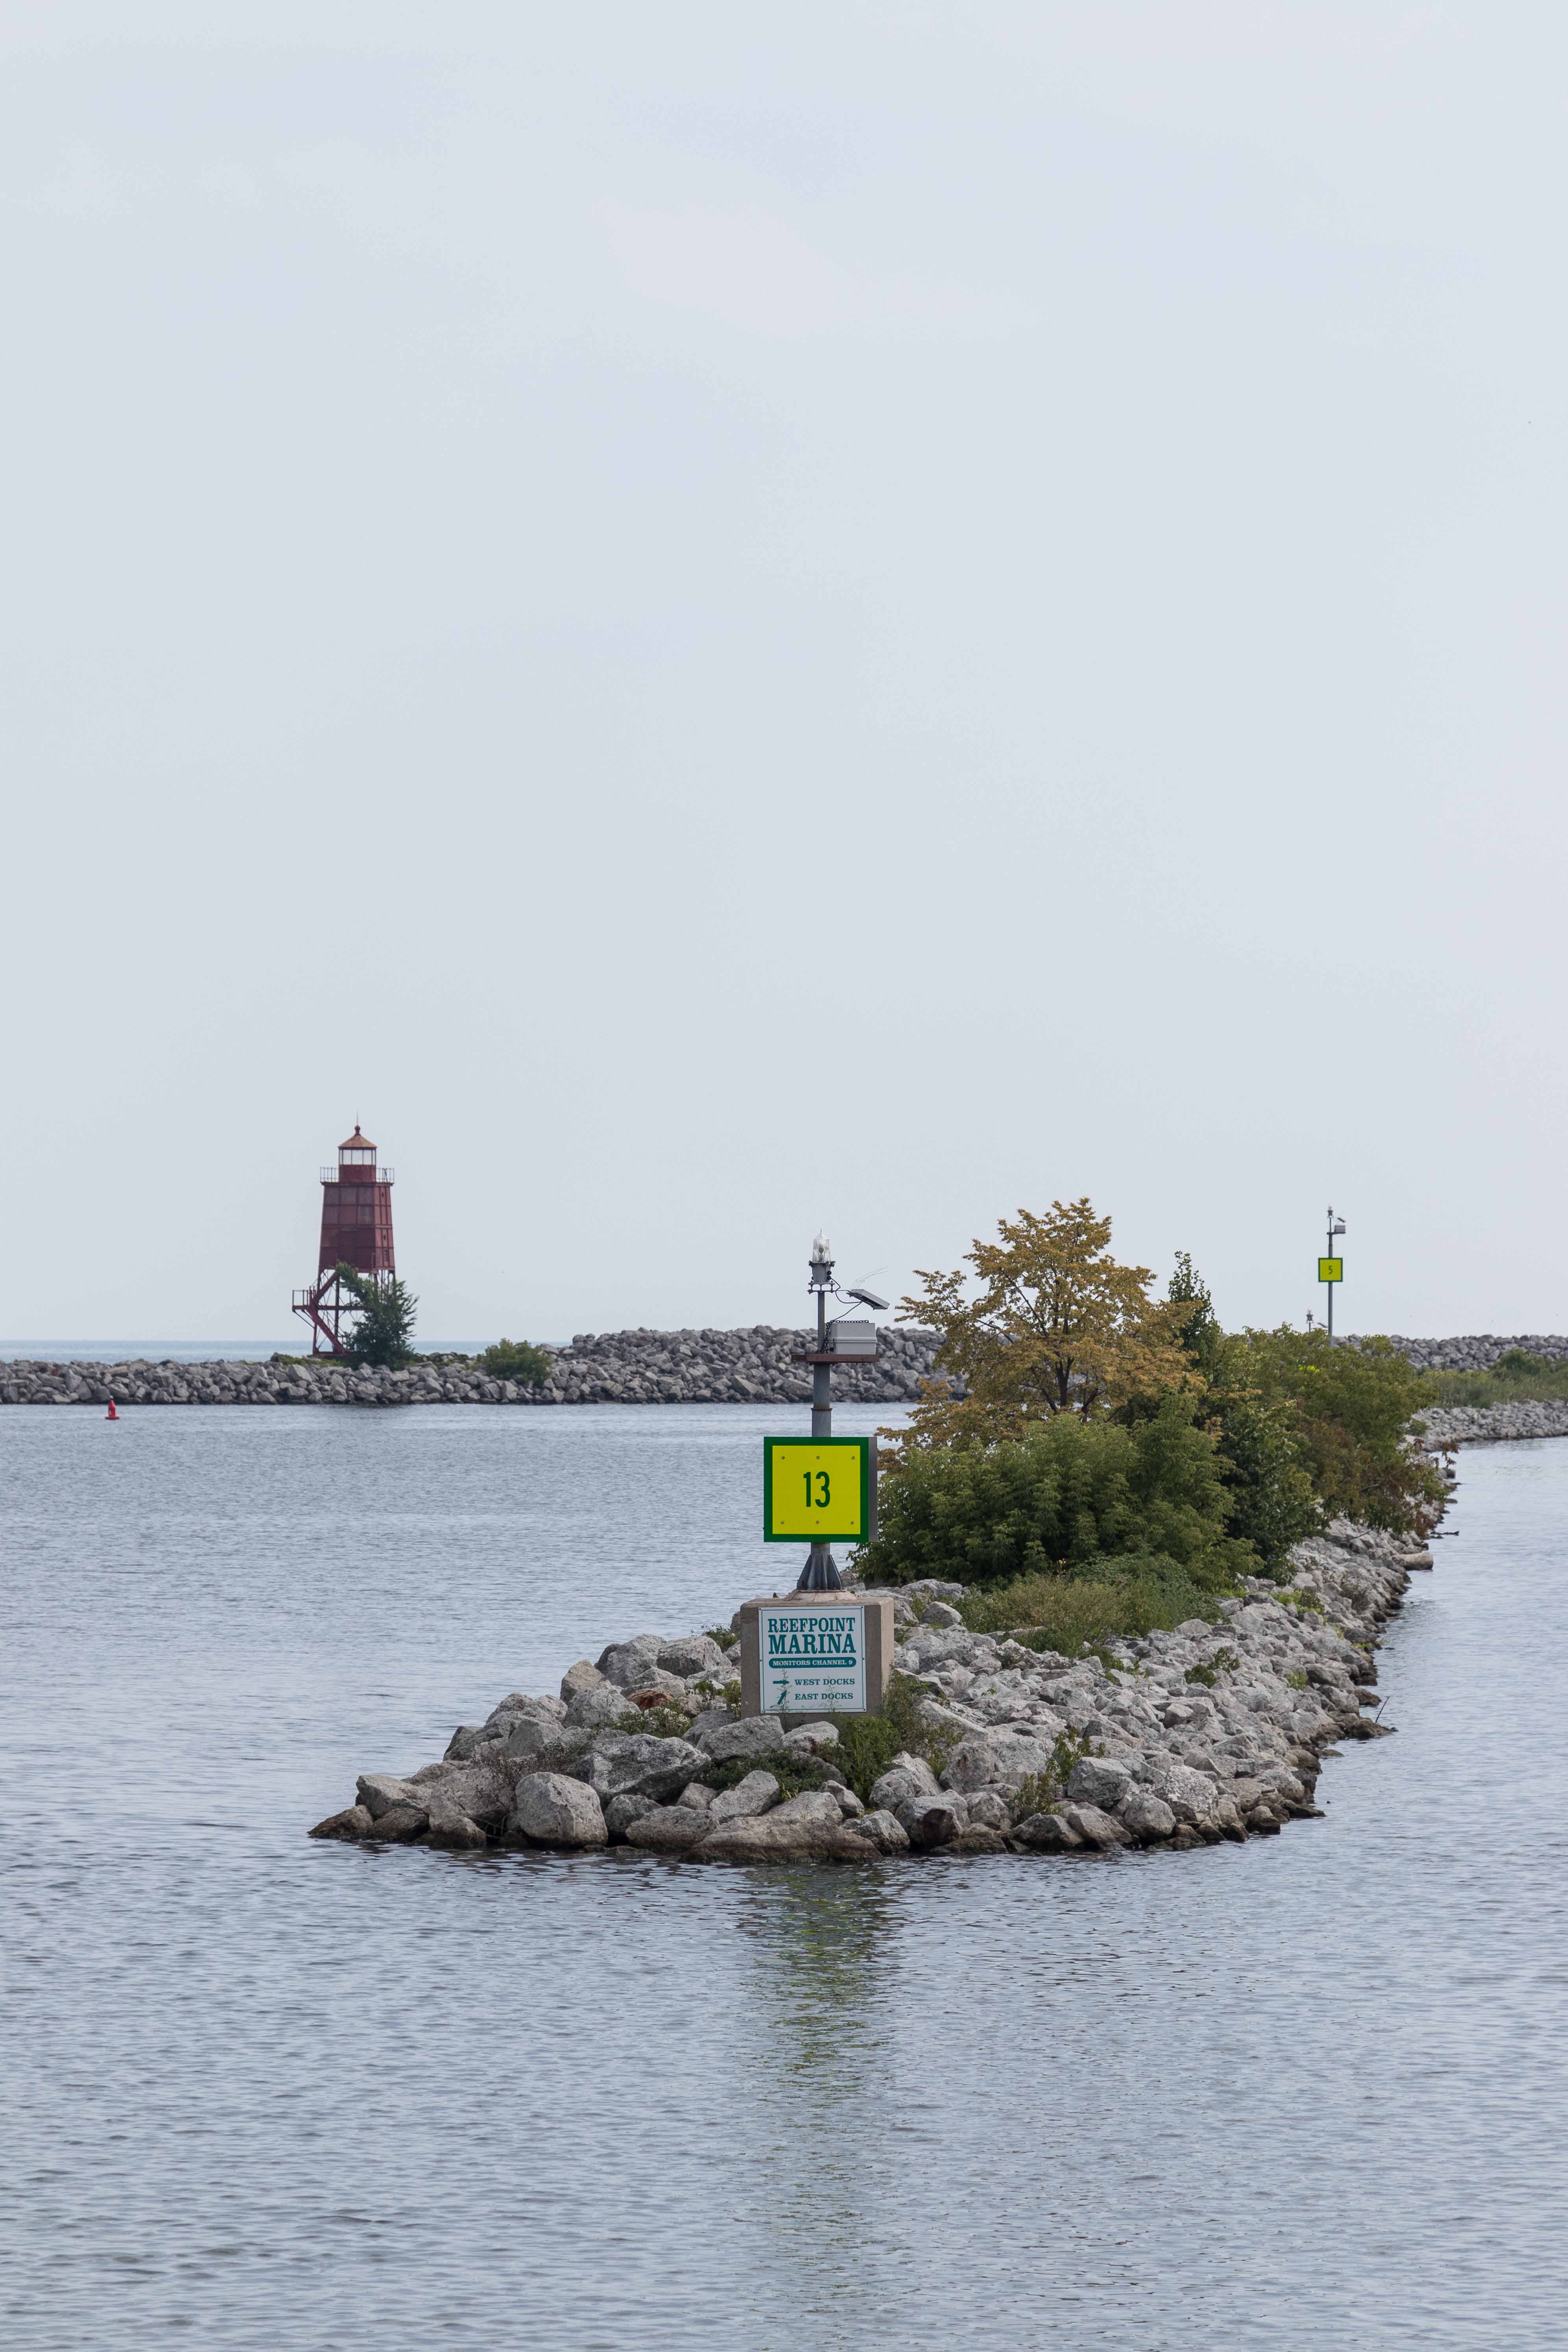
[869,1743]
[1224,1661]
[794,1773]
[517,1359]
[1075,1614]
[1040,1791]
[1305,1430]
[1069,1494]
[1353,1408]
[1268,1474]
[1517,1378]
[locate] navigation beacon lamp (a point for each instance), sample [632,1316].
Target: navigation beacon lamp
[356,1230]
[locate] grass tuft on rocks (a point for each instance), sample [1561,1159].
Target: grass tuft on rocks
[1077,1614]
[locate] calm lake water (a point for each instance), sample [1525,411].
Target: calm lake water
[261,2093]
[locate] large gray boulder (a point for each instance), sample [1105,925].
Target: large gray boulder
[939,1612]
[530,1738]
[773,1837]
[622,1811]
[753,1735]
[712,1718]
[1009,1752]
[755,1794]
[570,1750]
[881,1830]
[813,1739]
[669,1829]
[353,1821]
[544,1705]
[636,1764]
[580,1677]
[941,1645]
[1148,1818]
[378,1791]
[400,1824]
[629,1664]
[932,1821]
[478,1790]
[605,1703]
[1096,1828]
[1099,1780]
[456,1832]
[696,1654]
[551,1810]
[1191,1796]
[817,1806]
[907,1776]
[1280,1781]
[670,1686]
[1048,1833]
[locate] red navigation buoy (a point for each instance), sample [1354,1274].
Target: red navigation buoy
[111,1415]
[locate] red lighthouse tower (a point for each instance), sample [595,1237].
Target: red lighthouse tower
[356,1230]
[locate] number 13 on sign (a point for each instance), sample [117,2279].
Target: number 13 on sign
[816,1489]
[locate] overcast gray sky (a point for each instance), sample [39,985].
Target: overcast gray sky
[718,621]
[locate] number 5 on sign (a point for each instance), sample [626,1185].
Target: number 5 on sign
[816,1489]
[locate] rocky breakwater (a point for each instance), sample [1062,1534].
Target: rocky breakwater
[1213,1731]
[1492,1424]
[1474,1352]
[747,1367]
[753,1366]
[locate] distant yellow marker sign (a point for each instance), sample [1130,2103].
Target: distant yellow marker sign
[816,1489]
[1330,1270]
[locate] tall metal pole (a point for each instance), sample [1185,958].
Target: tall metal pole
[1328,1251]
[820,1574]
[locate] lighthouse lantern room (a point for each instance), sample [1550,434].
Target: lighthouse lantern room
[356,1230]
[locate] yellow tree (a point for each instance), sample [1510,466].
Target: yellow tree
[1056,1327]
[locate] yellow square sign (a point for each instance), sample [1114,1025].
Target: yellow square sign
[816,1489]
[1330,1270]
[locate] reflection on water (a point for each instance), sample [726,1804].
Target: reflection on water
[263,2093]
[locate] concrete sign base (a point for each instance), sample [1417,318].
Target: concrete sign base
[807,1655]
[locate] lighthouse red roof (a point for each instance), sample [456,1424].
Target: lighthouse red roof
[356,1142]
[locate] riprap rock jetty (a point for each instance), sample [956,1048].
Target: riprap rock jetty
[751,1366]
[1213,1731]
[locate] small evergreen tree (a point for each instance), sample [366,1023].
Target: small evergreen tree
[384,1331]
